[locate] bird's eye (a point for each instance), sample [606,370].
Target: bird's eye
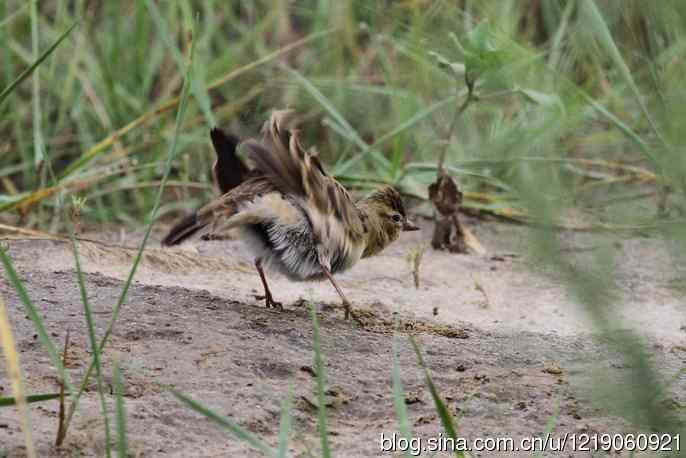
[396,217]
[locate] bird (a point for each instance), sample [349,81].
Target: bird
[228,170]
[296,218]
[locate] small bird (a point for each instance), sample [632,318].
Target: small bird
[296,218]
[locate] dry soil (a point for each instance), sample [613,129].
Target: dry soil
[509,356]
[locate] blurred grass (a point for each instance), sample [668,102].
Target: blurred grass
[578,123]
[600,82]
[401,412]
[150,220]
[120,411]
[16,380]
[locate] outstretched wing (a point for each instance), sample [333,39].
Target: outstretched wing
[336,221]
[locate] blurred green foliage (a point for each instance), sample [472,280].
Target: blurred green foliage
[558,81]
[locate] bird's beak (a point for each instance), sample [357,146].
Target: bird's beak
[410,226]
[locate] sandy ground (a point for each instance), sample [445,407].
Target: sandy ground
[507,358]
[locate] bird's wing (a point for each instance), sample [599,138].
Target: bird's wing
[227,208]
[292,170]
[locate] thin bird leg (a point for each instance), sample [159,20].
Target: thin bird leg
[268,298]
[346,303]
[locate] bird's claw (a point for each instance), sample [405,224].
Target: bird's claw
[277,305]
[270,303]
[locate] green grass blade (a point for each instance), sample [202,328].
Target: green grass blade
[26,73]
[443,412]
[180,114]
[35,318]
[321,385]
[285,425]
[598,24]
[10,401]
[240,433]
[120,411]
[328,106]
[198,88]
[350,132]
[626,130]
[90,325]
[401,413]
[414,120]
[103,145]
[14,15]
[549,427]
[38,143]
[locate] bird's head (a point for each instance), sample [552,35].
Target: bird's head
[386,218]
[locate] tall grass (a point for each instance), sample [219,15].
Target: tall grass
[577,110]
[382,74]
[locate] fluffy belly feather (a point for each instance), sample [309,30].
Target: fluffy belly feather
[285,242]
[292,251]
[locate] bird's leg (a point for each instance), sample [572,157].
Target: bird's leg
[268,298]
[346,303]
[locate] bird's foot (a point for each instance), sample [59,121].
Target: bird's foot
[269,302]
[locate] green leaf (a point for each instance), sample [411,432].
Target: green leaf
[478,39]
[481,56]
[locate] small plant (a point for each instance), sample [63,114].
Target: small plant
[414,258]
[77,206]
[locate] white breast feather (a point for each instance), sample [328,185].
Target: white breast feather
[297,259]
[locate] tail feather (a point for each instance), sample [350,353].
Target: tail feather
[183,230]
[229,171]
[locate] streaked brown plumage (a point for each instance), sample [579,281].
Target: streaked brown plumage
[297,218]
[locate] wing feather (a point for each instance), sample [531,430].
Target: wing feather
[298,172]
